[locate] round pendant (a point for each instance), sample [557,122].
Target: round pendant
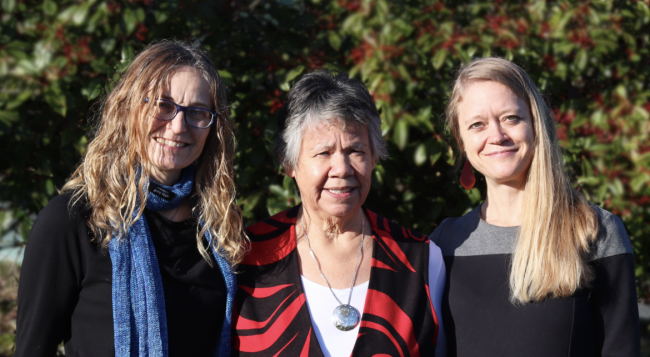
[345,317]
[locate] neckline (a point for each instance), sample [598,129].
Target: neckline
[367,302]
[180,225]
[294,237]
[360,286]
[157,214]
[477,211]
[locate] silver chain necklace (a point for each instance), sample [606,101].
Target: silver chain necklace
[345,316]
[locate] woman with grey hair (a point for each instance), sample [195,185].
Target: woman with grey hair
[329,277]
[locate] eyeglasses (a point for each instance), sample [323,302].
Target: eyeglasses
[195,117]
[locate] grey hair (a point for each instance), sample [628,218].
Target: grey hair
[322,97]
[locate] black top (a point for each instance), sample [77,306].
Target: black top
[65,287]
[600,320]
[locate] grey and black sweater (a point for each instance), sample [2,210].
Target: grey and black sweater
[481,321]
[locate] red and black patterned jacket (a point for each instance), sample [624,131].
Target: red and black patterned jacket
[271,317]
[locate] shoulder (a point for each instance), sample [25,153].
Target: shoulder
[469,235]
[274,225]
[58,230]
[272,239]
[62,211]
[612,237]
[387,228]
[458,235]
[457,225]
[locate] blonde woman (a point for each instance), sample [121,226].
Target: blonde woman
[134,257]
[536,270]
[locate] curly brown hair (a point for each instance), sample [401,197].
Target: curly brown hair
[116,167]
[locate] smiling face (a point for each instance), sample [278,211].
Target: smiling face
[497,132]
[334,170]
[174,145]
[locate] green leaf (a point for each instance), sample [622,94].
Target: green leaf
[226,78]
[127,55]
[581,60]
[334,40]
[75,14]
[80,15]
[420,155]
[424,117]
[129,20]
[599,118]
[81,145]
[588,180]
[93,90]
[434,157]
[471,50]
[161,16]
[616,187]
[19,100]
[474,196]
[288,184]
[643,8]
[450,156]
[49,7]
[278,191]
[439,58]
[566,17]
[8,5]
[108,45]
[8,117]
[378,177]
[56,99]
[292,74]
[640,111]
[49,187]
[401,134]
[139,14]
[638,182]
[250,201]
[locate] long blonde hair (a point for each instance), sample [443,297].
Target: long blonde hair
[116,167]
[558,224]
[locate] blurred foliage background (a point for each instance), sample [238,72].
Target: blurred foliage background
[590,59]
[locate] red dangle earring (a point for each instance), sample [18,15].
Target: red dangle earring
[467,179]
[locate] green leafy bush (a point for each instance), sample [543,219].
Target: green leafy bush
[591,60]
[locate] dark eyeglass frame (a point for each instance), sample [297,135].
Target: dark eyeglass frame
[181,108]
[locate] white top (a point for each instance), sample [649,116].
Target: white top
[321,304]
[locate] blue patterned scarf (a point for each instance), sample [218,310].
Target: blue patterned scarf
[139,319]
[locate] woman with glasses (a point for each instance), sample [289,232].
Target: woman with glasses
[134,257]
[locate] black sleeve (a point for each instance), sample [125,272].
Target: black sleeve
[49,281]
[614,303]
